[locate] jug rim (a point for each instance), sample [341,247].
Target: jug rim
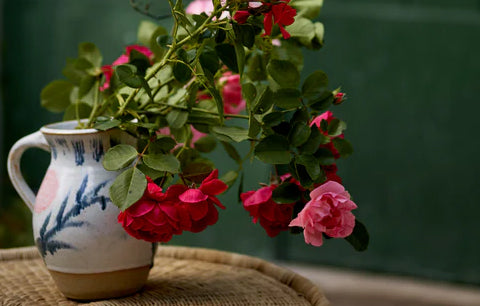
[66,128]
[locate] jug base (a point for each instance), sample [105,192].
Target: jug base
[95,286]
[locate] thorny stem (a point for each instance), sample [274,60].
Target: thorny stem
[199,110]
[166,58]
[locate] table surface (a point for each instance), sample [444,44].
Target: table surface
[180,276]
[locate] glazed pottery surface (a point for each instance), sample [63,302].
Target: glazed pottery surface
[74,222]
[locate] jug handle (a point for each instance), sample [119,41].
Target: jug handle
[34,140]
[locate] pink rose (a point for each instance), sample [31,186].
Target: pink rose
[123,59]
[203,6]
[196,207]
[151,218]
[273,217]
[328,211]
[233,102]
[200,6]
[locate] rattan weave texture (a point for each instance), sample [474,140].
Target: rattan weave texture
[180,276]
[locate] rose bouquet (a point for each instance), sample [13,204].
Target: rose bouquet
[177,92]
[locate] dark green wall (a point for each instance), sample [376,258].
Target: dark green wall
[411,71]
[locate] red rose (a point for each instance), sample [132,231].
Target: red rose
[196,207]
[327,116]
[151,218]
[281,14]
[339,98]
[273,217]
[241,16]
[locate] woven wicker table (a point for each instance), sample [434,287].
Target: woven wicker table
[180,276]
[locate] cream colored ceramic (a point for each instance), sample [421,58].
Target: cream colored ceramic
[74,222]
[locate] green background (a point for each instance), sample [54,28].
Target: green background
[411,72]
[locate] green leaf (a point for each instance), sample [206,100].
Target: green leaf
[245,33]
[164,40]
[197,171]
[336,127]
[314,141]
[290,51]
[249,92]
[311,164]
[227,54]
[299,172]
[127,74]
[209,61]
[229,178]
[240,56]
[232,152]
[317,41]
[273,149]
[106,125]
[163,144]
[79,110]
[343,146]
[299,134]
[76,69]
[86,85]
[91,53]
[264,102]
[234,133]
[177,118]
[256,69]
[303,30]
[217,98]
[157,48]
[182,72]
[153,174]
[322,102]
[181,135]
[307,8]
[145,31]
[220,36]
[284,73]
[273,118]
[128,188]
[254,126]
[286,193]
[206,144]
[119,157]
[287,98]
[139,60]
[162,162]
[359,239]
[315,85]
[55,97]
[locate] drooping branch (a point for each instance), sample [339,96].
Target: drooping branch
[145,10]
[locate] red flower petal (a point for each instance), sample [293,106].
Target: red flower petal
[241,16]
[268,23]
[140,208]
[260,196]
[193,196]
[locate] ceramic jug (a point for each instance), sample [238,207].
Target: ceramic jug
[75,226]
